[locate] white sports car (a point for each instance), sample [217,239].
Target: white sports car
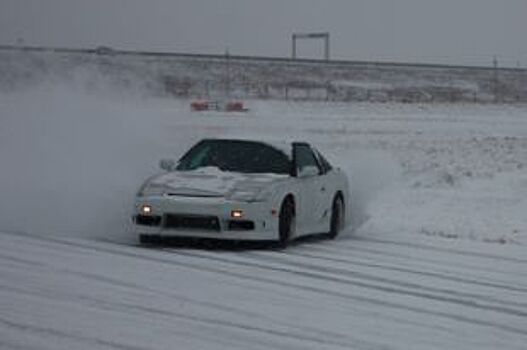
[233,189]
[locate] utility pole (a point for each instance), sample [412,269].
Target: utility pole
[293,49]
[227,73]
[518,80]
[496,82]
[326,48]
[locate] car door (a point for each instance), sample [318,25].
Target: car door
[330,182]
[310,206]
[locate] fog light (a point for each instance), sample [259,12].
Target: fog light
[237,214]
[146,209]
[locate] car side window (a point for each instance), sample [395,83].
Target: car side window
[304,157]
[326,167]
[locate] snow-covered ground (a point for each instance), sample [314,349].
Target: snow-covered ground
[437,258]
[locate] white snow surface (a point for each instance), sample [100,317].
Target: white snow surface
[436,259]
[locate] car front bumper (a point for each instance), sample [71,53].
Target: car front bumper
[204,217]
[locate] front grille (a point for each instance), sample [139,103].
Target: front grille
[148,220]
[197,222]
[241,225]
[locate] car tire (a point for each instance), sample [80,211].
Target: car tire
[286,223]
[337,217]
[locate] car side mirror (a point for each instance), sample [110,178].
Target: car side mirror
[167,164]
[308,171]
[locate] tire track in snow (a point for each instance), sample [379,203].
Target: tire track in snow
[358,249]
[214,269]
[125,308]
[438,275]
[406,261]
[441,249]
[336,273]
[292,332]
[370,277]
[48,331]
[367,300]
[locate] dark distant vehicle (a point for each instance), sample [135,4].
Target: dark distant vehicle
[222,106]
[104,50]
[243,190]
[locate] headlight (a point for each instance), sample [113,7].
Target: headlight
[237,214]
[146,209]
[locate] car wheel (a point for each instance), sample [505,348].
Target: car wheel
[337,217]
[286,222]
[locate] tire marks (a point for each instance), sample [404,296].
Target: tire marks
[385,267]
[303,269]
[352,297]
[442,250]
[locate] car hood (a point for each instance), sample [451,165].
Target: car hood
[211,182]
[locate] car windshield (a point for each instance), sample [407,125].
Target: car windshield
[236,156]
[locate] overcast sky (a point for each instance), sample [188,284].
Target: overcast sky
[444,31]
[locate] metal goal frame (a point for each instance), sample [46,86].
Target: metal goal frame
[324,36]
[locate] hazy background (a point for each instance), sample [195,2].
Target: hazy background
[447,31]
